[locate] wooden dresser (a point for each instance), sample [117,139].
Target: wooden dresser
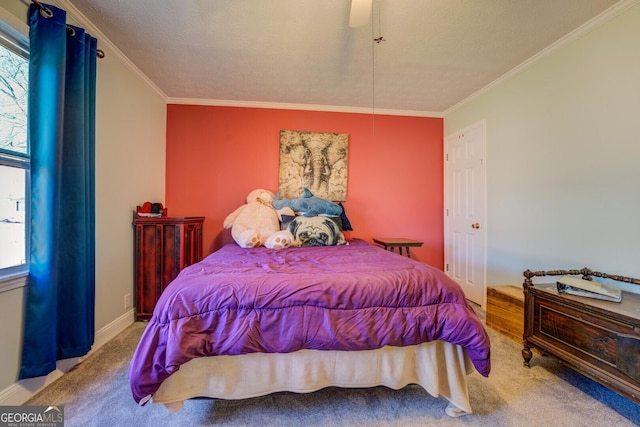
[599,339]
[163,247]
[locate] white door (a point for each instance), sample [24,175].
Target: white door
[465,194]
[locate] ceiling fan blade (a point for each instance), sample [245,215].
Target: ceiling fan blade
[360,13]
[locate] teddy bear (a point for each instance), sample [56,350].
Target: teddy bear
[257,223]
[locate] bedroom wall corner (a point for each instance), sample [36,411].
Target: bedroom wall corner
[562,154]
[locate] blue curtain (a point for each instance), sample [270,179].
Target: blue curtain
[60,297]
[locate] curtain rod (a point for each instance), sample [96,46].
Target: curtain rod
[47,13]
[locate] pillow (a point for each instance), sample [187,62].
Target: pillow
[315,231]
[345,224]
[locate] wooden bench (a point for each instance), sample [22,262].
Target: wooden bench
[600,339]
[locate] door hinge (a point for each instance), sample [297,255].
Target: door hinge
[447,267]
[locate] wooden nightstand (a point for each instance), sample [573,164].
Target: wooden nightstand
[390,243]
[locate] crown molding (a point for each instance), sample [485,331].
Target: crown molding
[303,107]
[106,45]
[586,28]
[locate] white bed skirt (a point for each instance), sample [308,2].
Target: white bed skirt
[439,367]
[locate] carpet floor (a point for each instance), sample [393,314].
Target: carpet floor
[96,393]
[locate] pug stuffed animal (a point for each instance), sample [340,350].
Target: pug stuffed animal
[315,231]
[257,223]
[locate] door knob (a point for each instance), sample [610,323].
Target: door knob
[475,226]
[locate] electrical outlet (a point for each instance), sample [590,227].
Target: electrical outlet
[127,301]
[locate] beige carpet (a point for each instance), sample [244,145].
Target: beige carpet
[96,393]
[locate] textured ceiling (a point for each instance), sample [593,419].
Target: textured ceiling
[436,53]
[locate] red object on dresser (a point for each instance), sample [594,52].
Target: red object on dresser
[163,246]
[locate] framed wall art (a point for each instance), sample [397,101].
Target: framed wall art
[315,160]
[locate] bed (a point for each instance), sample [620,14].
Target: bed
[248,322]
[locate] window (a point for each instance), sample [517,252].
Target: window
[14,153]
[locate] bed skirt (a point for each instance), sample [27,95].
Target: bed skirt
[441,368]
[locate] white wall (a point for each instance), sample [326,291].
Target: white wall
[130,169]
[563,157]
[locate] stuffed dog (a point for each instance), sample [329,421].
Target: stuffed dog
[315,231]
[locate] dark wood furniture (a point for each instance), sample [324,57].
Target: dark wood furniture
[390,243]
[163,246]
[600,339]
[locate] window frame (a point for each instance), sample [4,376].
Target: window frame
[14,35]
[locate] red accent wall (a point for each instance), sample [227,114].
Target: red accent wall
[217,155]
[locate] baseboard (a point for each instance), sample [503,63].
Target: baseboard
[109,332]
[21,391]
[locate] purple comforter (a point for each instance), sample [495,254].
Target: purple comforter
[349,297]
